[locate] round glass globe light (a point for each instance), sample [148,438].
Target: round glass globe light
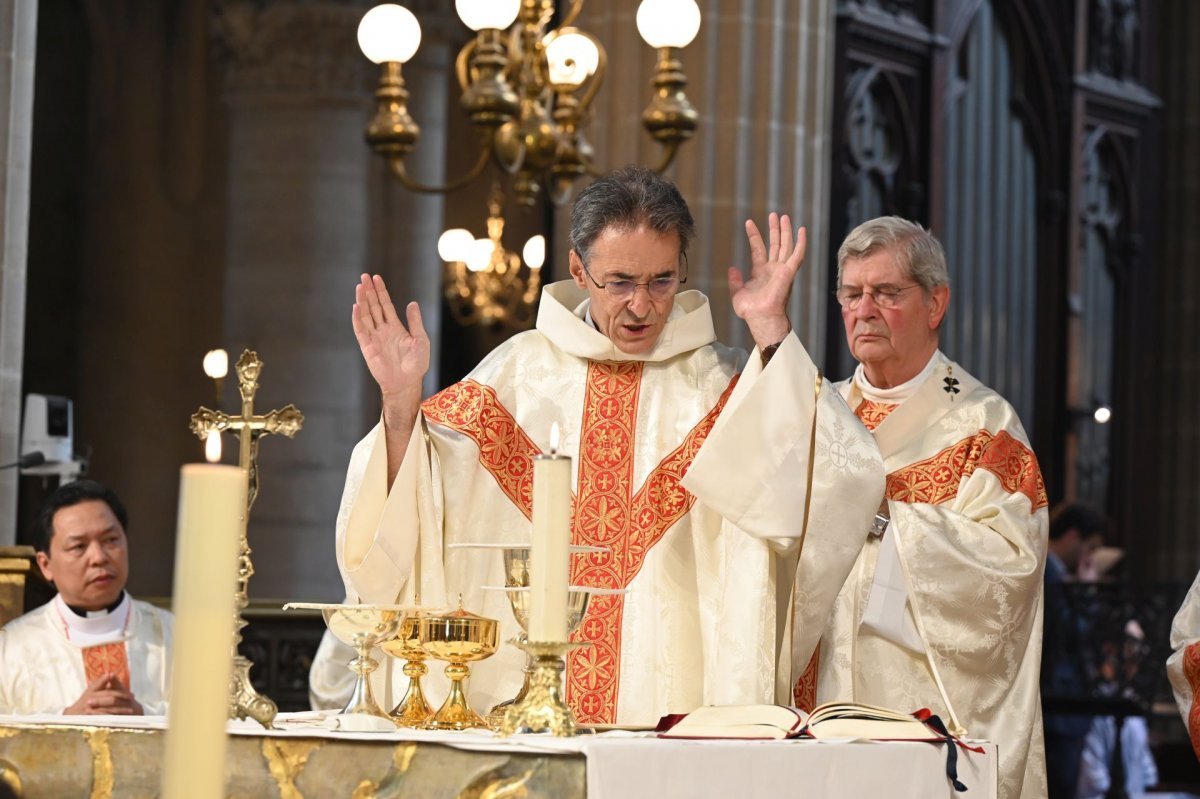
[455,244]
[216,363]
[480,255]
[572,58]
[1102,415]
[389,33]
[534,252]
[668,23]
[487,14]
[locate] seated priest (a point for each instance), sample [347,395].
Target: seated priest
[93,649]
[628,369]
[1183,667]
[943,609]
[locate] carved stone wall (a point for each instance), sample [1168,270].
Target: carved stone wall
[301,228]
[759,74]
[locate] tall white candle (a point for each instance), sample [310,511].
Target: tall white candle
[549,566]
[212,500]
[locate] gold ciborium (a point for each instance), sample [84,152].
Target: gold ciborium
[362,627]
[457,637]
[414,709]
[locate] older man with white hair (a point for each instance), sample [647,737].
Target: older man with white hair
[943,609]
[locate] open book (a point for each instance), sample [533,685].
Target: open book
[833,720]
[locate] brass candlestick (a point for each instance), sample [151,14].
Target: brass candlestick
[544,708]
[244,701]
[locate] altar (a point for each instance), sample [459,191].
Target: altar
[122,757]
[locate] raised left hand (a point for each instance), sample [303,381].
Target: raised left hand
[762,299]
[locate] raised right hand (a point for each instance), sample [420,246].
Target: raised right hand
[397,356]
[106,695]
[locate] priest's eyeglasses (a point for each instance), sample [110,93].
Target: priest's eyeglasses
[885,297]
[660,288]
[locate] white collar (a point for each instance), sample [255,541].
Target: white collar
[895,394]
[98,627]
[564,317]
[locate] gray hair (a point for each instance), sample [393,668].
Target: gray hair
[625,199]
[914,247]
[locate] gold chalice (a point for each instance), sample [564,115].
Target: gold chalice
[363,627]
[518,597]
[457,637]
[413,710]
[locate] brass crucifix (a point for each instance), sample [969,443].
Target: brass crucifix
[244,701]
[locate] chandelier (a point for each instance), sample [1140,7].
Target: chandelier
[527,89]
[485,282]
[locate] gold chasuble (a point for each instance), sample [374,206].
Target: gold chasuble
[702,619]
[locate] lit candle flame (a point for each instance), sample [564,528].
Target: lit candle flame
[212,447]
[216,364]
[554,438]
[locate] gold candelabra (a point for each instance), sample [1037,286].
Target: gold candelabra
[527,88]
[486,283]
[245,701]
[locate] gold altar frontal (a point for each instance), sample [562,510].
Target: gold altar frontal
[47,756]
[104,762]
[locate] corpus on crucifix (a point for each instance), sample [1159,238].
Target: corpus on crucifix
[249,427]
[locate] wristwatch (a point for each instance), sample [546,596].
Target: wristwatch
[879,525]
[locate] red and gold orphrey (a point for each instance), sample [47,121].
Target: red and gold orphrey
[606,511]
[873,413]
[106,659]
[1191,671]
[936,479]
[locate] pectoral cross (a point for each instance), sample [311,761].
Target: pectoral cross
[249,428]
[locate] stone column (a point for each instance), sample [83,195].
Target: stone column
[305,209]
[18,40]
[1174,429]
[760,75]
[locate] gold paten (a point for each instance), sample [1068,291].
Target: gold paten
[414,709]
[102,763]
[244,700]
[285,760]
[458,638]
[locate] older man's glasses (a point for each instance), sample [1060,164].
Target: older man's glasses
[660,288]
[885,297]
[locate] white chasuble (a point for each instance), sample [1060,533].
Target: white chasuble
[969,523]
[1183,667]
[698,622]
[43,669]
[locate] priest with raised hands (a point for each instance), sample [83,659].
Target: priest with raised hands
[93,649]
[628,368]
[943,609]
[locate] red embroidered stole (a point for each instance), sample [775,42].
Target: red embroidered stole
[872,413]
[106,659]
[606,511]
[1191,670]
